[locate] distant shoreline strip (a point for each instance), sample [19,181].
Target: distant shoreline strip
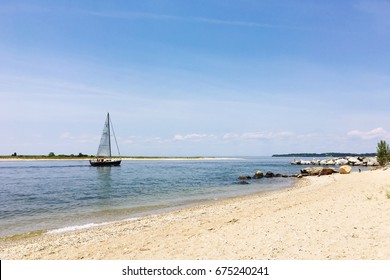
[124,159]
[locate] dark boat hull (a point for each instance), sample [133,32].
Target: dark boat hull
[105,163]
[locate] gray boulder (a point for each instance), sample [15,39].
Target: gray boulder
[372,161]
[243,182]
[353,161]
[327,171]
[258,175]
[341,161]
[312,171]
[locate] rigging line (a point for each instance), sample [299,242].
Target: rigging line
[109,136]
[113,132]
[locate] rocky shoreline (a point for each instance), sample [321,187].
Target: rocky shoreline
[352,161]
[345,167]
[308,171]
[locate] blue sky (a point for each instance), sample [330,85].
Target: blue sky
[195,78]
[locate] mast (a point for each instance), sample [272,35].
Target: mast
[109,133]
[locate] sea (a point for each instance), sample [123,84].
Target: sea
[57,196]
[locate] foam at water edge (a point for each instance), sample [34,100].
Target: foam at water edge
[74,228]
[86,226]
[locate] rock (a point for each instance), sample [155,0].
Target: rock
[372,162]
[341,161]
[330,162]
[345,169]
[353,161]
[244,177]
[258,175]
[269,174]
[242,182]
[327,171]
[311,171]
[299,176]
[315,162]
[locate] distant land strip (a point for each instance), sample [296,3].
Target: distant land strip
[83,156]
[326,155]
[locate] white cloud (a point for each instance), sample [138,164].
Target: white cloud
[257,135]
[153,16]
[232,22]
[82,139]
[193,137]
[157,140]
[129,141]
[368,135]
[66,136]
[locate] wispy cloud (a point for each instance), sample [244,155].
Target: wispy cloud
[232,22]
[152,16]
[157,140]
[132,15]
[368,135]
[49,86]
[194,137]
[257,135]
[129,15]
[379,9]
[82,139]
[246,136]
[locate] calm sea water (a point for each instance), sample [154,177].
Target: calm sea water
[47,195]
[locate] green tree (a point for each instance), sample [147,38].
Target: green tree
[383,153]
[51,154]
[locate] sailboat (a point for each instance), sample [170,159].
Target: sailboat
[104,154]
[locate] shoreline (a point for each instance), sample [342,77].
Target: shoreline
[328,217]
[141,215]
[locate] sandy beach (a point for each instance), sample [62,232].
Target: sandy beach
[328,217]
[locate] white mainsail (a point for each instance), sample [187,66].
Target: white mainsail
[104,149]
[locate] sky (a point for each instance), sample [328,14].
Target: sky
[195,78]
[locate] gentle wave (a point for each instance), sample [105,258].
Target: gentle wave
[75,228]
